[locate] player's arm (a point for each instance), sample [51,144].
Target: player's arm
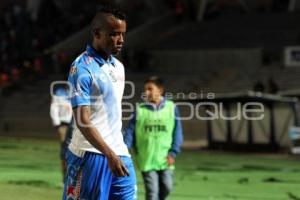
[82,118]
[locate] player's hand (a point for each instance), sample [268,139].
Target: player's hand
[170,160]
[116,165]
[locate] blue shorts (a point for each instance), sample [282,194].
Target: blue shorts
[89,178]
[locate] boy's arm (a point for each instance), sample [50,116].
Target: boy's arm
[129,133]
[177,136]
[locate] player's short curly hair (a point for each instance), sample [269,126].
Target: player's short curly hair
[113,10]
[104,10]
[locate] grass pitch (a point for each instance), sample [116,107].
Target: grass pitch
[30,170]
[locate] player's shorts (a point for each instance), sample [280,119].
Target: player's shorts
[89,178]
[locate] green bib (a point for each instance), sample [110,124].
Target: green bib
[154,136]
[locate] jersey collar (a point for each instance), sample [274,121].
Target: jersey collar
[98,58]
[152,106]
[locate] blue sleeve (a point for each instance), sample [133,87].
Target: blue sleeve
[177,135]
[129,133]
[80,81]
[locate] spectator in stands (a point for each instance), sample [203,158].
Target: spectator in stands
[179,9]
[4,83]
[24,36]
[15,78]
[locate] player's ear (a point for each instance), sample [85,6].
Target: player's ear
[96,33]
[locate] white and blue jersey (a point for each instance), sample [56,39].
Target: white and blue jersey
[100,85]
[60,108]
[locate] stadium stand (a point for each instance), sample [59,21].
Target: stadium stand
[231,51]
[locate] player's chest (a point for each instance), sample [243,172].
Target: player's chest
[109,79]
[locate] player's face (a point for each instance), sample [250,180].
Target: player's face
[153,93]
[113,36]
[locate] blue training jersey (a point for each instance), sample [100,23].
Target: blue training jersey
[99,84]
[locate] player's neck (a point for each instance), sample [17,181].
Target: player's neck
[101,52]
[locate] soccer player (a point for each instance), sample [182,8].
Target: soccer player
[61,116]
[155,132]
[99,166]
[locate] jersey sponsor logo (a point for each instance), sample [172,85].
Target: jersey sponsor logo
[155,128]
[75,93]
[73,70]
[103,78]
[113,76]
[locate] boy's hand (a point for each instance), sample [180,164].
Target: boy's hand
[170,160]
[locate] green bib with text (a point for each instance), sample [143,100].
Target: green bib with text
[154,136]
